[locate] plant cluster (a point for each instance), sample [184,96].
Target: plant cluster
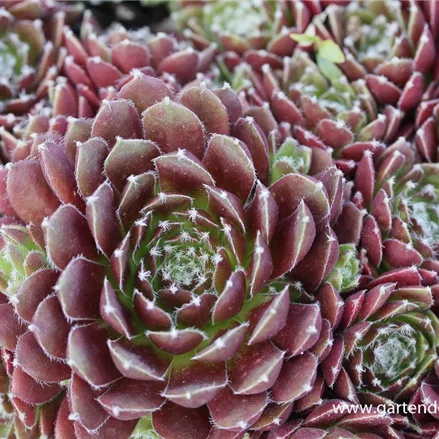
[229,231]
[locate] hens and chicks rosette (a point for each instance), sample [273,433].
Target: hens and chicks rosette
[183,259]
[143,277]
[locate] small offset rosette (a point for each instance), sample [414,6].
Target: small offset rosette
[385,342]
[265,29]
[319,107]
[400,196]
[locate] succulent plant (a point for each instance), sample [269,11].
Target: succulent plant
[146,278]
[228,233]
[323,124]
[401,229]
[267,24]
[384,351]
[316,104]
[102,62]
[94,66]
[30,39]
[379,171]
[386,346]
[387,340]
[389,44]
[388,50]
